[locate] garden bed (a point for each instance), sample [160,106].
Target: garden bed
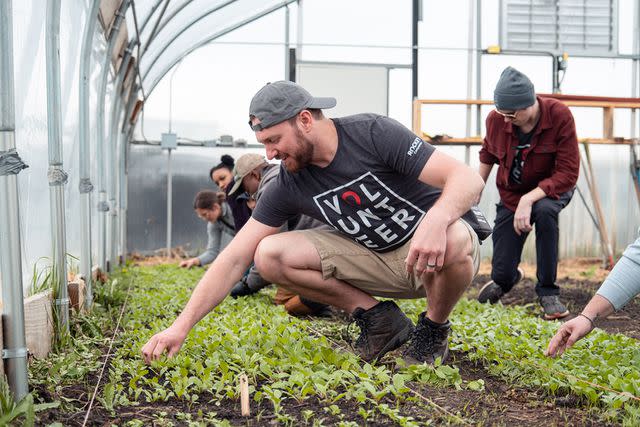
[301,371]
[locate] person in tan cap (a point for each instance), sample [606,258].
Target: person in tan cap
[254,175]
[401,219]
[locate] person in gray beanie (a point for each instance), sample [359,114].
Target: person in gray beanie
[533,141]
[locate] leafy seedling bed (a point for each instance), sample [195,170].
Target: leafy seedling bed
[575,293]
[301,372]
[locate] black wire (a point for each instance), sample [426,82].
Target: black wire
[593,218]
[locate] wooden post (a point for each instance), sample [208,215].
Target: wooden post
[417,118]
[607,122]
[244,395]
[38,323]
[602,226]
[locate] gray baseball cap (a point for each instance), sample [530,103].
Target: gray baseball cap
[281,100]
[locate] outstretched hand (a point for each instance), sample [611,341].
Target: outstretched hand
[191,262]
[522,217]
[568,334]
[169,340]
[428,246]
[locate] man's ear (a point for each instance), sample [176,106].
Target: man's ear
[305,119]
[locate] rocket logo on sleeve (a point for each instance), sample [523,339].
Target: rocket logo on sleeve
[370,212]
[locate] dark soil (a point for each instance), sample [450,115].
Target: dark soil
[575,294]
[500,403]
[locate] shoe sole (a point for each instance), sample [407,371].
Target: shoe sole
[555,316]
[408,360]
[396,341]
[489,283]
[520,272]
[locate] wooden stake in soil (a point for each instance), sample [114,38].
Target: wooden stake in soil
[244,395]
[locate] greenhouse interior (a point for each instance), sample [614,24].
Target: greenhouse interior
[352,257]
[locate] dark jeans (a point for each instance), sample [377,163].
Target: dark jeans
[507,245]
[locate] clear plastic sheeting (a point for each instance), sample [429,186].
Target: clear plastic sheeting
[205,19]
[31,123]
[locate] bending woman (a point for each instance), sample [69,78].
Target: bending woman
[620,286]
[222,175]
[210,207]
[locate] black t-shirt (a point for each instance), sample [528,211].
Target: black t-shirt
[370,191]
[524,143]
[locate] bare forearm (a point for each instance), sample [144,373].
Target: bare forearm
[598,307]
[534,195]
[210,291]
[459,194]
[485,170]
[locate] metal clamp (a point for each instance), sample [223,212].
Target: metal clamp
[62,301]
[103,207]
[85,185]
[14,353]
[56,175]
[10,161]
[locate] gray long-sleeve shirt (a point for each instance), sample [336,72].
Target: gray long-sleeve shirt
[623,283]
[220,233]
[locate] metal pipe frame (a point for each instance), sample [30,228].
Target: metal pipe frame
[84,149]
[470,24]
[102,145]
[124,180]
[114,137]
[479,66]
[169,202]
[175,37]
[14,352]
[155,27]
[57,176]
[210,39]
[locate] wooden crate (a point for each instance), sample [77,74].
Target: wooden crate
[38,323]
[77,293]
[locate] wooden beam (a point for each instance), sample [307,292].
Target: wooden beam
[417,122]
[607,122]
[595,197]
[38,323]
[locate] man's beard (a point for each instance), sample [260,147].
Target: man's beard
[303,155]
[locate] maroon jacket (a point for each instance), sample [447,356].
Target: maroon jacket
[551,163]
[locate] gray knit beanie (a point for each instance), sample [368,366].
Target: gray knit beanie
[514,91]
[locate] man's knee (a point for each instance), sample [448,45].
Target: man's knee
[545,209]
[267,256]
[459,244]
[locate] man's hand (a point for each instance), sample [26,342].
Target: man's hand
[567,335]
[169,340]
[188,263]
[522,217]
[428,245]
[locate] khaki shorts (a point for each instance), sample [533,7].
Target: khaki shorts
[380,274]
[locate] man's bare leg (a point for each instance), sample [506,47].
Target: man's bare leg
[300,271]
[384,327]
[445,288]
[430,339]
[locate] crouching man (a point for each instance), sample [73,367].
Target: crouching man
[395,205]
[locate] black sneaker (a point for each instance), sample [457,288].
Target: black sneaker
[552,307]
[383,328]
[491,292]
[241,289]
[429,341]
[319,309]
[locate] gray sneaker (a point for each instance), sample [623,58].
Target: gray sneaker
[383,328]
[491,292]
[552,307]
[428,342]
